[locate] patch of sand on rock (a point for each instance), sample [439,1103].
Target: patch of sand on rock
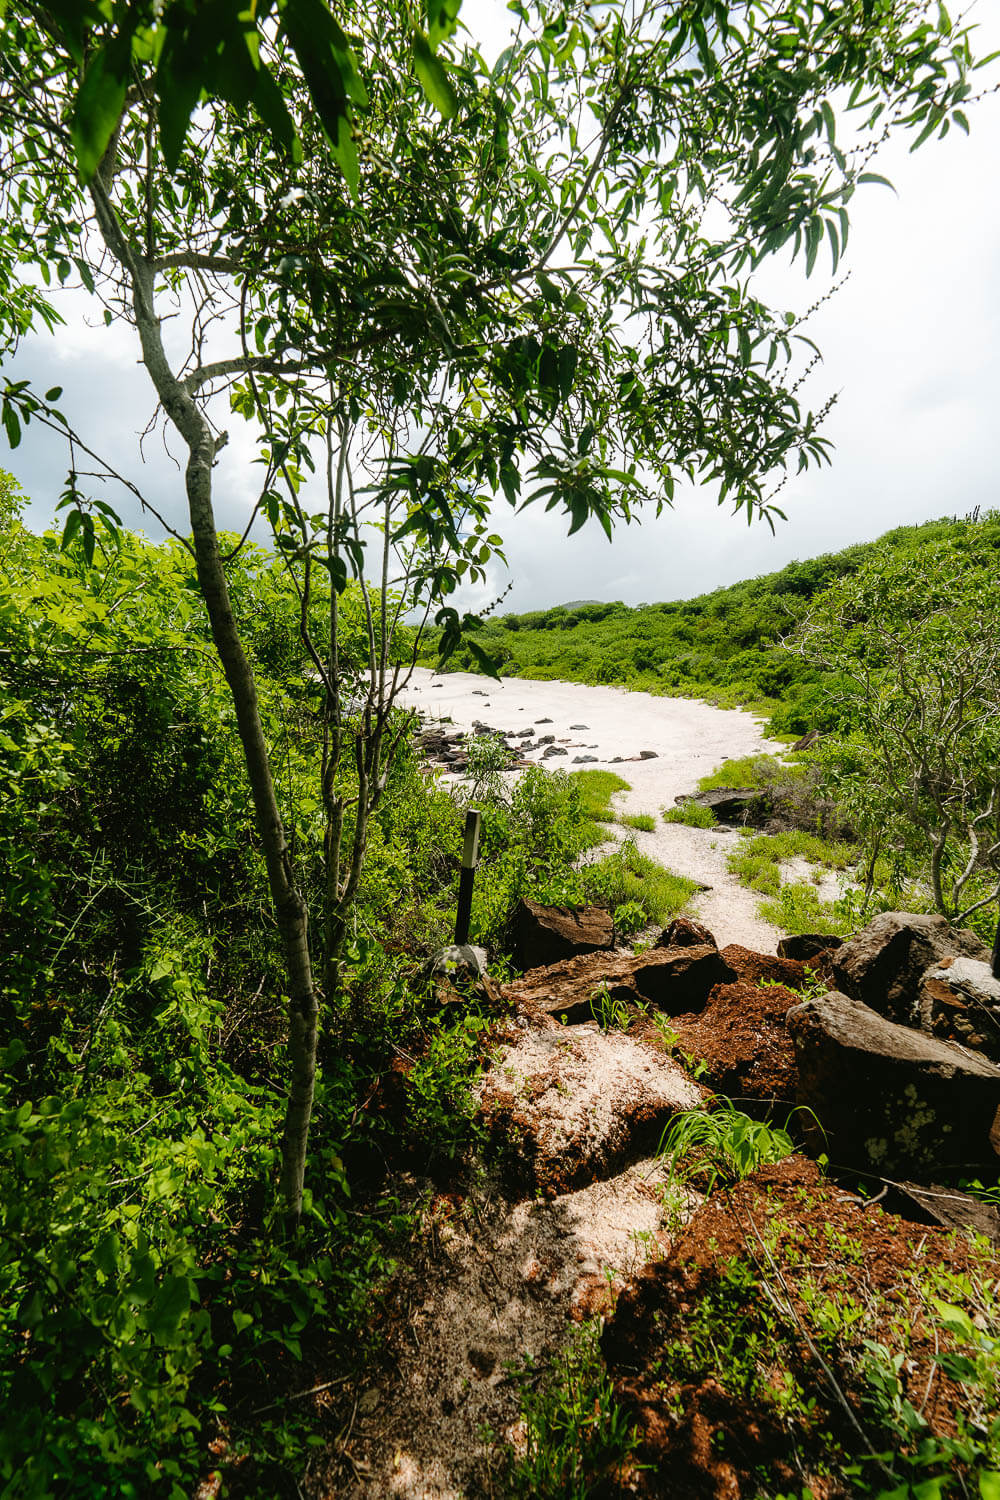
[569,1104]
[498,1283]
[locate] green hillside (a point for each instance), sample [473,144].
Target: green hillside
[724,646]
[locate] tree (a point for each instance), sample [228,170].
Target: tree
[516,291]
[915,644]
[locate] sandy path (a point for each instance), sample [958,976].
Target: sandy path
[689,739]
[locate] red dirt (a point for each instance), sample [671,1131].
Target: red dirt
[703,1434]
[741,1035]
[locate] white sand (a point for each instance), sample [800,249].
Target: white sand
[690,739]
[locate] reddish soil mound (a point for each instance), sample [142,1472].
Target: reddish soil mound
[756,967]
[741,1035]
[744,1358]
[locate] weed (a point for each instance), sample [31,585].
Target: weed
[691,814]
[576,1435]
[644,822]
[611,1014]
[722,1144]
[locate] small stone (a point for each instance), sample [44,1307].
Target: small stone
[648,755]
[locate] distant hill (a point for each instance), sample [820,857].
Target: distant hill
[724,646]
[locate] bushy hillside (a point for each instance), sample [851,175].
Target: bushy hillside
[724,646]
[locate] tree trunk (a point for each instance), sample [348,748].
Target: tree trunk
[291,913]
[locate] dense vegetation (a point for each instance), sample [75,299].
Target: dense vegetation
[726,646]
[146,1287]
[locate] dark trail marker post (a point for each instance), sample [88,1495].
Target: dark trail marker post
[995,960]
[470,854]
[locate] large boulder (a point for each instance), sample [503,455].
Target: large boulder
[676,980]
[884,964]
[889,1098]
[544,935]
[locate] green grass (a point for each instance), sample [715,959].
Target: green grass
[691,814]
[596,791]
[797,908]
[628,876]
[644,822]
[752,771]
[576,1435]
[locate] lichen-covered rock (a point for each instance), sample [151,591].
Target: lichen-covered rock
[889,1097]
[884,964]
[543,935]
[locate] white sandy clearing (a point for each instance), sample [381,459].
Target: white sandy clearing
[689,739]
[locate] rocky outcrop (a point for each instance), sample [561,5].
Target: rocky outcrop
[884,964]
[543,935]
[730,804]
[889,1098]
[569,1105]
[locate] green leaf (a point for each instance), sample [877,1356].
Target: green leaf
[442,19]
[434,81]
[170,1307]
[99,104]
[989,1485]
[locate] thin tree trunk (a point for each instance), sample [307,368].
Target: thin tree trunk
[290,909]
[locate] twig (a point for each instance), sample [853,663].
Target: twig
[313,1390]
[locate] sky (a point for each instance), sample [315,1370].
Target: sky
[911,349]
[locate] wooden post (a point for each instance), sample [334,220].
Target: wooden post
[470,854]
[995,962]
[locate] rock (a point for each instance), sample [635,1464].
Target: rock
[684,933]
[677,980]
[582,760]
[960,1000]
[551,750]
[884,964]
[648,755]
[729,804]
[579,726]
[947,1206]
[807,945]
[889,1098]
[543,721]
[571,1105]
[456,962]
[565,989]
[546,739]
[543,935]
[810,738]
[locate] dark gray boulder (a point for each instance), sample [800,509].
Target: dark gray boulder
[884,1097]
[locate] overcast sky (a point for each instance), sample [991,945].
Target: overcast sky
[911,347]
